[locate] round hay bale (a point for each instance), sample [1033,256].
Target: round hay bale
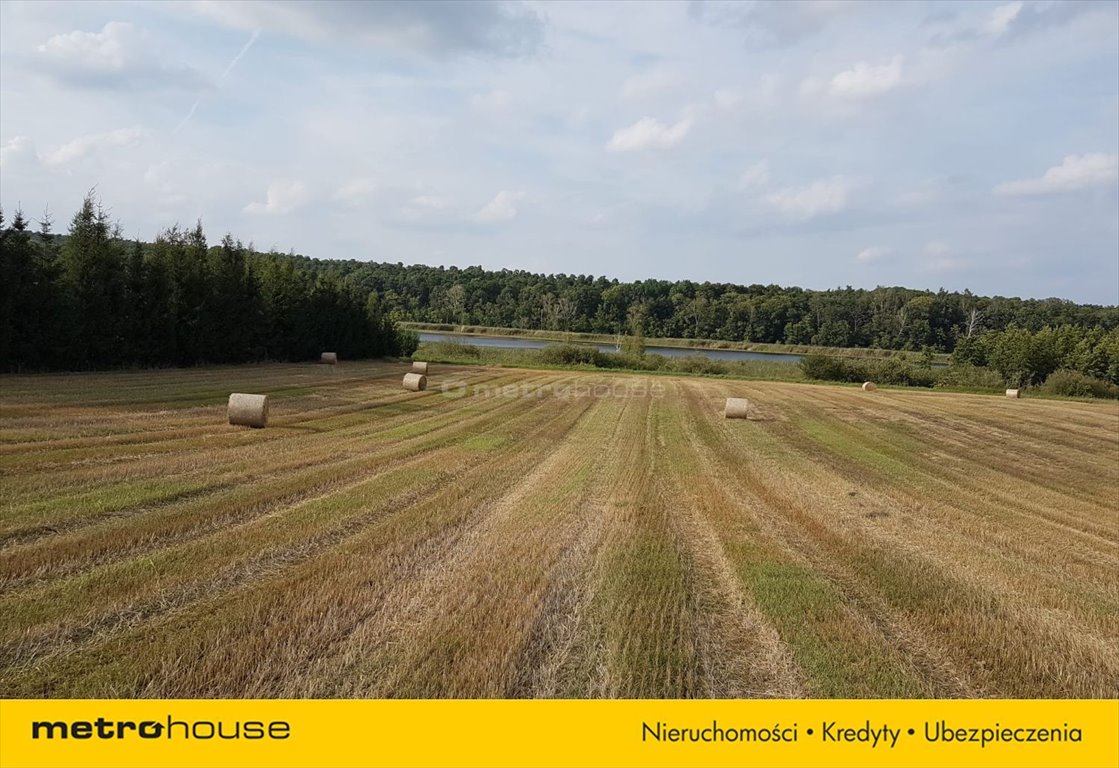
[415,382]
[418,367]
[869,386]
[248,410]
[1012,393]
[330,358]
[736,408]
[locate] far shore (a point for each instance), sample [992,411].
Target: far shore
[571,337]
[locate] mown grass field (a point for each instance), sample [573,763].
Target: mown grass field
[572,534]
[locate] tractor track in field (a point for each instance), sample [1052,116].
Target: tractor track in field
[105,543]
[536,534]
[244,574]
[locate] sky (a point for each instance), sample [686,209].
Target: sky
[819,144]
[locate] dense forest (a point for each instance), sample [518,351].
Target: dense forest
[887,318]
[1021,341]
[91,299]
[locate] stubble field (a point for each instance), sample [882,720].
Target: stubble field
[556,534]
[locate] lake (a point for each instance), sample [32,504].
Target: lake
[508,342]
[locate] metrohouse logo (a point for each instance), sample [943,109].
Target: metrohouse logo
[105,729]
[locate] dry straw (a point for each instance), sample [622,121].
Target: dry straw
[869,386]
[415,382]
[248,410]
[330,358]
[736,408]
[418,367]
[1012,393]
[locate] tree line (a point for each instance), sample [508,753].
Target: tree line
[92,299]
[884,317]
[1029,359]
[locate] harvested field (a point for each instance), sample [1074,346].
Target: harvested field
[513,533]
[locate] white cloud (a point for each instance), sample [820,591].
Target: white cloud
[811,86]
[765,23]
[464,26]
[1074,173]
[17,147]
[819,198]
[864,80]
[649,133]
[501,208]
[356,191]
[225,73]
[119,56]
[579,117]
[939,256]
[496,101]
[1000,19]
[1016,19]
[728,99]
[757,161]
[104,50]
[649,84]
[874,253]
[433,202]
[159,179]
[925,194]
[156,174]
[755,177]
[86,145]
[282,197]
[427,209]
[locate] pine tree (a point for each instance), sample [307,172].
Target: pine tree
[93,274]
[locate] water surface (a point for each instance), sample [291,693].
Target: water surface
[509,342]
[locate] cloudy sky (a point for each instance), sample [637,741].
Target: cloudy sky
[817,144]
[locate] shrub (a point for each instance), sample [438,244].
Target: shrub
[971,377]
[634,346]
[827,368]
[451,349]
[574,354]
[696,364]
[651,362]
[611,360]
[1075,384]
[970,350]
[890,370]
[1023,358]
[894,370]
[406,342]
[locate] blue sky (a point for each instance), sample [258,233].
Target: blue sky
[957,145]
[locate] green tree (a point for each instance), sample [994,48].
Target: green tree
[21,287]
[93,277]
[232,305]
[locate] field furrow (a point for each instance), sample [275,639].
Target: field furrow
[514,533]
